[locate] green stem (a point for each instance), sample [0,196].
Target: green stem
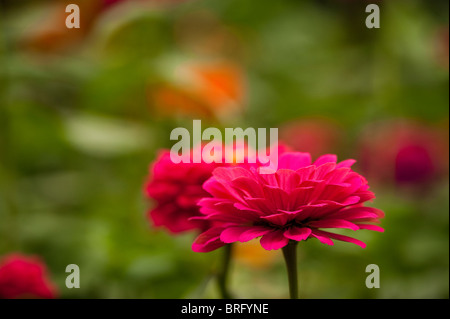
[222,276]
[290,257]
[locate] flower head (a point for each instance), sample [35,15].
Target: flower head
[24,277]
[404,153]
[295,202]
[176,189]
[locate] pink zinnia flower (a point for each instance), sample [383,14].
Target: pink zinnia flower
[296,202]
[24,277]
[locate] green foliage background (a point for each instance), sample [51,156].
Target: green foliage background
[77,136]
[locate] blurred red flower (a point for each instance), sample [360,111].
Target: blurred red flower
[24,277]
[312,135]
[404,153]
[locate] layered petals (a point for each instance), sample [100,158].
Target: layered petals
[176,190]
[294,203]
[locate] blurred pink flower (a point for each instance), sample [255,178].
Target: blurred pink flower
[176,188]
[24,277]
[295,202]
[404,152]
[314,135]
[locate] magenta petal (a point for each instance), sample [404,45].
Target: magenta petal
[337,176]
[290,212]
[261,204]
[371,227]
[322,239]
[351,200]
[274,240]
[216,189]
[249,186]
[247,209]
[254,232]
[305,172]
[355,213]
[327,158]
[227,174]
[294,160]
[277,196]
[269,179]
[333,223]
[365,196]
[323,170]
[207,247]
[279,219]
[230,235]
[299,196]
[232,215]
[211,202]
[287,179]
[340,237]
[297,233]
[208,241]
[346,163]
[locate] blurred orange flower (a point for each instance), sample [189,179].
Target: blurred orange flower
[253,255]
[50,33]
[213,90]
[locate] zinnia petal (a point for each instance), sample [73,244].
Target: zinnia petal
[287,179]
[327,158]
[294,160]
[278,219]
[274,240]
[297,233]
[232,234]
[326,234]
[346,163]
[321,238]
[254,232]
[371,227]
[249,186]
[208,241]
[333,223]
